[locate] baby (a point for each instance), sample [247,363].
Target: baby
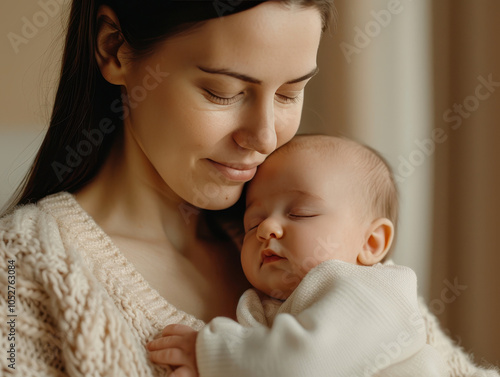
[319,212]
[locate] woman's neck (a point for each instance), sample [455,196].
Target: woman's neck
[128,198]
[162,236]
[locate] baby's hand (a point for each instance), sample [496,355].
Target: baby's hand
[176,347]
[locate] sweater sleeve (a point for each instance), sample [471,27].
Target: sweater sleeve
[343,320]
[459,362]
[27,331]
[66,324]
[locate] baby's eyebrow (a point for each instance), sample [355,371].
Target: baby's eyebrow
[303,193]
[290,191]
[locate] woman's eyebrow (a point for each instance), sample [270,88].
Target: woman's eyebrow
[305,77]
[240,76]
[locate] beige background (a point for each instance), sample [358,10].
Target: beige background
[391,95]
[28,78]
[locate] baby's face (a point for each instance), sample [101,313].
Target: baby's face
[300,212]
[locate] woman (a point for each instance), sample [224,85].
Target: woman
[164,110]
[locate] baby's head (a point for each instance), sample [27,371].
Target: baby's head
[316,198]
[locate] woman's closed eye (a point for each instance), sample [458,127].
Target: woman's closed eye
[229,100]
[288,99]
[220,100]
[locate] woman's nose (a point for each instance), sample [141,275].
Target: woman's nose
[258,132]
[269,228]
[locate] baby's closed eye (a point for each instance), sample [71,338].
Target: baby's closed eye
[299,213]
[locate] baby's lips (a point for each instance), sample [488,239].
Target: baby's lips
[269,255]
[272,258]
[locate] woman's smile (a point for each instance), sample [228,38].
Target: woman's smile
[236,172]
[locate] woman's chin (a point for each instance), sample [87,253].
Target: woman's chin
[216,202]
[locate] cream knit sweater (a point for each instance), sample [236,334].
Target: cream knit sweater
[81,309]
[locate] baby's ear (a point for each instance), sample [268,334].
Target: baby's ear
[377,242]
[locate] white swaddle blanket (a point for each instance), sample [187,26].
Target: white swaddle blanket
[343,320]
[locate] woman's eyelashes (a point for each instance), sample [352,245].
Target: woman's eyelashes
[230,100]
[287,100]
[219,100]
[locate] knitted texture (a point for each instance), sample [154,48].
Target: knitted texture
[460,364]
[82,308]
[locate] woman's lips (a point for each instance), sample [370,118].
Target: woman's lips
[238,173]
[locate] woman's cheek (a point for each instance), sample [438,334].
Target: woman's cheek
[287,123]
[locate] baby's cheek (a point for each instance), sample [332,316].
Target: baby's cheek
[248,260]
[313,252]
[282,284]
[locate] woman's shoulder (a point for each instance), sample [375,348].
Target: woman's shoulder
[28,228]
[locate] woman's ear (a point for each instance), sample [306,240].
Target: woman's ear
[377,242]
[109,44]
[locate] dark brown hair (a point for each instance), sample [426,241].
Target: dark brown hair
[88,111]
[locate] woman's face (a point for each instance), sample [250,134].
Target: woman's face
[208,106]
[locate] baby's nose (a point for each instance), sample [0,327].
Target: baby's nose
[269,228]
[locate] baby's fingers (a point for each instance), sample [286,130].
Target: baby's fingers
[166,342]
[184,371]
[177,329]
[170,356]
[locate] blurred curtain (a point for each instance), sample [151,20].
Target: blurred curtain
[421,84]
[466,251]
[375,86]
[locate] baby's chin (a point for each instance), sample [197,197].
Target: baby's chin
[280,293]
[275,283]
